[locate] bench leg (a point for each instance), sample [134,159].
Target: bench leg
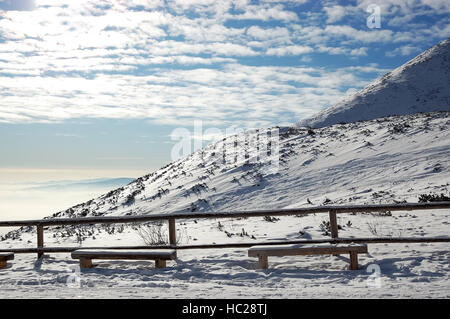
[2,264]
[353,260]
[85,263]
[160,263]
[263,262]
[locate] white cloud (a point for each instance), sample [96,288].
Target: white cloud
[264,13]
[407,7]
[404,51]
[265,34]
[149,59]
[335,13]
[359,52]
[287,1]
[362,51]
[289,50]
[359,35]
[177,96]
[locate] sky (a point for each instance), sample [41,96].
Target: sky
[97,87]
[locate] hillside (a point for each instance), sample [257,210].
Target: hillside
[420,85]
[364,162]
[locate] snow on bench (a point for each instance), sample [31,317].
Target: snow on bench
[262,252]
[160,256]
[4,257]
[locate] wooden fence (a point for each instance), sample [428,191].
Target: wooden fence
[332,211]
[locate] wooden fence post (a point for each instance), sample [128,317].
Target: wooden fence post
[353,260]
[263,262]
[40,239]
[172,232]
[333,224]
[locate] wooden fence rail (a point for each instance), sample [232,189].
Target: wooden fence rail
[370,240]
[171,218]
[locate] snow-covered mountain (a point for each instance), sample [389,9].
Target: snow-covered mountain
[420,85]
[365,162]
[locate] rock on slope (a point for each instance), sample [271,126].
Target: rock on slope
[420,85]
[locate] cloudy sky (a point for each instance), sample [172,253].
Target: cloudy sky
[103,83]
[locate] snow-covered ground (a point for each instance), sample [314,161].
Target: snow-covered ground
[412,270]
[386,160]
[406,270]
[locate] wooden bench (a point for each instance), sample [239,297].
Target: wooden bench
[262,252]
[160,256]
[4,257]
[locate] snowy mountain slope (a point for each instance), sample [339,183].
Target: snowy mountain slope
[364,162]
[313,164]
[420,85]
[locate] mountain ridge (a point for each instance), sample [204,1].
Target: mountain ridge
[419,85]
